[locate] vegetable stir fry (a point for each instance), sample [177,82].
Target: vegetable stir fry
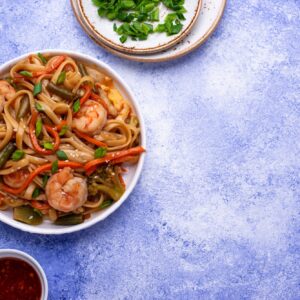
[65,133]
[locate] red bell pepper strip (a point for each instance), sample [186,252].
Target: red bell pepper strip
[36,172]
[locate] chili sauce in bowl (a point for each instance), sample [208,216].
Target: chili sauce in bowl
[18,280]
[21,277]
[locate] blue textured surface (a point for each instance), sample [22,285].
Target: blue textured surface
[216,212]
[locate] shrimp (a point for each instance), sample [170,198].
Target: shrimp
[65,192]
[16,179]
[2,102]
[6,89]
[91,118]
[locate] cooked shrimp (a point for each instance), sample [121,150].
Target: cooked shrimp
[16,179]
[2,102]
[65,192]
[91,118]
[6,89]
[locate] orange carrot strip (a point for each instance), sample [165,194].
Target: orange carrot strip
[60,125]
[55,135]
[34,140]
[91,170]
[114,162]
[39,204]
[49,69]
[37,171]
[87,93]
[123,159]
[89,139]
[122,181]
[112,156]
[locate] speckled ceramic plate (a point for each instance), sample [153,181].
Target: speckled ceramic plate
[210,16]
[133,171]
[102,28]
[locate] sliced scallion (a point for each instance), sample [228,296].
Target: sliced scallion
[37,88]
[17,155]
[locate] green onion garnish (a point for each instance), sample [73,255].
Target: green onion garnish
[37,88]
[36,192]
[42,58]
[54,167]
[26,73]
[48,145]
[38,127]
[45,180]
[61,155]
[76,106]
[17,155]
[100,152]
[136,17]
[61,78]
[39,107]
[64,130]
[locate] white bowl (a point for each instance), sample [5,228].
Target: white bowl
[131,177]
[12,253]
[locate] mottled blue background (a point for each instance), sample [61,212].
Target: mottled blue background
[216,212]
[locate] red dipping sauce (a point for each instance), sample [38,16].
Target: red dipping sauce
[18,280]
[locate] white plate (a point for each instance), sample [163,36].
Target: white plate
[131,177]
[102,28]
[210,16]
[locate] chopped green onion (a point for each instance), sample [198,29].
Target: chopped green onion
[61,155]
[48,145]
[123,39]
[45,180]
[37,88]
[54,167]
[135,16]
[36,193]
[26,73]
[42,58]
[17,155]
[154,15]
[100,152]
[39,107]
[64,130]
[38,127]
[76,106]
[61,78]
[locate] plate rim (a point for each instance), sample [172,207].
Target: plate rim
[133,51]
[136,58]
[88,223]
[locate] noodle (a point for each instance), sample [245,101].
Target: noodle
[8,135]
[65,129]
